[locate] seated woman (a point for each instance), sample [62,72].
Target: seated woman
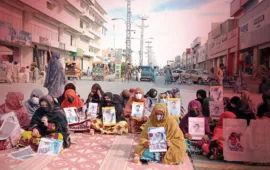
[163,98]
[67,87]
[49,121]
[125,97]
[226,103]
[73,100]
[14,103]
[95,96]
[244,111]
[151,100]
[32,104]
[214,150]
[111,100]
[170,93]
[194,110]
[134,125]
[233,102]
[263,107]
[176,148]
[206,107]
[201,95]
[245,95]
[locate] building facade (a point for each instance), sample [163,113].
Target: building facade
[73,28]
[196,44]
[202,56]
[254,41]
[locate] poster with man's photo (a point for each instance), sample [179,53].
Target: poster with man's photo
[234,131]
[109,116]
[137,110]
[157,139]
[196,127]
[150,104]
[71,115]
[216,109]
[216,92]
[174,106]
[92,110]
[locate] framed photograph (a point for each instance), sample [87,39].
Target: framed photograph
[137,110]
[216,92]
[174,107]
[216,109]
[109,116]
[71,115]
[92,110]
[196,127]
[157,139]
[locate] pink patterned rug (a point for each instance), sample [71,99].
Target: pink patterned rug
[98,152]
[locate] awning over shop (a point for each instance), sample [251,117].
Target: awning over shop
[5,51]
[78,53]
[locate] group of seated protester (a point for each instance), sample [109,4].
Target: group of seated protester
[44,116]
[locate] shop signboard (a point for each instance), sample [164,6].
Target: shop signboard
[9,34]
[260,20]
[118,57]
[44,41]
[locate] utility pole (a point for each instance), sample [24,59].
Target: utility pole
[142,26]
[128,32]
[148,52]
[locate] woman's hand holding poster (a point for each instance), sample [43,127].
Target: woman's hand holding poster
[196,127]
[157,139]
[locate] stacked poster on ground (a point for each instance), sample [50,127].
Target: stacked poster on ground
[50,146]
[246,143]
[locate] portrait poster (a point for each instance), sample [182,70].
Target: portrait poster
[216,92]
[71,115]
[137,110]
[174,106]
[216,109]
[9,124]
[150,104]
[23,153]
[49,146]
[81,114]
[196,127]
[92,110]
[234,134]
[157,139]
[109,116]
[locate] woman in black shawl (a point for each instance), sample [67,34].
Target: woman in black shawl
[244,111]
[151,97]
[48,121]
[121,126]
[95,96]
[201,95]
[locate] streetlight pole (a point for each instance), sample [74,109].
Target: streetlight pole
[148,47]
[142,26]
[128,33]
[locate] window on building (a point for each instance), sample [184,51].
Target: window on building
[49,5]
[81,23]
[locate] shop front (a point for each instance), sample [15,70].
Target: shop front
[255,38]
[223,50]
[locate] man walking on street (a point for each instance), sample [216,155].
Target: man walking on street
[128,72]
[220,74]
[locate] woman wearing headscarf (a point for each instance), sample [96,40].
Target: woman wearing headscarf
[194,110]
[170,93]
[14,103]
[244,111]
[132,92]
[245,95]
[32,104]
[264,107]
[174,138]
[55,77]
[201,95]
[125,97]
[234,100]
[95,96]
[111,100]
[62,97]
[226,103]
[163,98]
[206,107]
[71,99]
[214,150]
[49,121]
[134,125]
[151,100]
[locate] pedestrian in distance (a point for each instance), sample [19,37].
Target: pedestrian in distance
[139,71]
[168,74]
[88,72]
[220,75]
[35,74]
[16,71]
[128,72]
[9,72]
[27,74]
